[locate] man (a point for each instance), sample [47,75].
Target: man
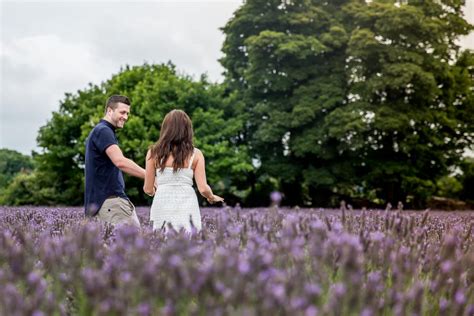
[105,189]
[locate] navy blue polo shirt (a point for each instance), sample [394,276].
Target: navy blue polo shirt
[103,178]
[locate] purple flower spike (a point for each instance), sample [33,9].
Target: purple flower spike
[311,311]
[459,297]
[276,197]
[244,267]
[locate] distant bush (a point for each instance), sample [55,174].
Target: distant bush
[11,163]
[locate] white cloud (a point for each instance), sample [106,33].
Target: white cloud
[50,48]
[37,71]
[468,41]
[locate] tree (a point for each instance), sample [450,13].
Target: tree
[347,98]
[287,61]
[29,188]
[413,86]
[154,90]
[11,163]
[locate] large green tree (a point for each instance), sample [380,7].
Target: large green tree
[286,58]
[409,75]
[154,90]
[352,98]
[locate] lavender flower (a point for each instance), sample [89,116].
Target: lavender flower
[243,262]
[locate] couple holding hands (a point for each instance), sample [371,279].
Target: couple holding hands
[171,164]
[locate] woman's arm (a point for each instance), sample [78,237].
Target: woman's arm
[201,181]
[150,171]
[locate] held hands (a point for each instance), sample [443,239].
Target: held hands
[150,193]
[214,198]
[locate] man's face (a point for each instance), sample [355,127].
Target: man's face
[119,116]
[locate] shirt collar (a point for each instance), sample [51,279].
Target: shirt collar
[108,124]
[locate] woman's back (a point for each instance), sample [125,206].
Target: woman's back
[169,175]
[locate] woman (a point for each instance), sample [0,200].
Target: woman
[171,164]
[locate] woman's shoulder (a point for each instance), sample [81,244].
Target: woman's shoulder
[148,153]
[197,152]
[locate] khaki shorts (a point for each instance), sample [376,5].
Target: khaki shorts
[118,211]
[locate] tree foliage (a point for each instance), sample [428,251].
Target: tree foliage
[11,163]
[353,98]
[13,166]
[154,90]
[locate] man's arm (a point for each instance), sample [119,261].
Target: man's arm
[123,163]
[149,186]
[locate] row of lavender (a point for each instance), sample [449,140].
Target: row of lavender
[244,262]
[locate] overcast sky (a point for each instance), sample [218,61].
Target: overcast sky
[48,48]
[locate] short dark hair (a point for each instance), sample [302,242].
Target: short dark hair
[114,100]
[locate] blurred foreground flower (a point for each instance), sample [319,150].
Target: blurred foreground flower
[275,198]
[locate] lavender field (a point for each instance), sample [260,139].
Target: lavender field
[244,262]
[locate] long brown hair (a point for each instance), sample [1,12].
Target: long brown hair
[176,139]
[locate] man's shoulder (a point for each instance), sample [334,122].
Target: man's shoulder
[101,135]
[101,128]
